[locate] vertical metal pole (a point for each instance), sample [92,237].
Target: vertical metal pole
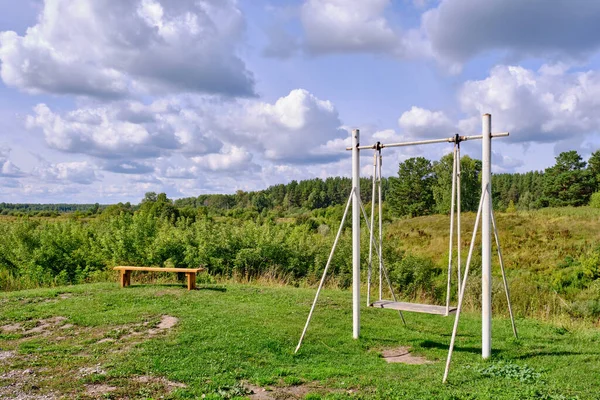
[486,239]
[452,197]
[380,229]
[355,235]
[371,230]
[458,212]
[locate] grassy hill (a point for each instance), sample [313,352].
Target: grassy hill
[161,341]
[552,257]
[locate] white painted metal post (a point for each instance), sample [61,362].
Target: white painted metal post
[370,265]
[355,235]
[380,228]
[486,238]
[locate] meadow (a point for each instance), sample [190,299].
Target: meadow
[237,341]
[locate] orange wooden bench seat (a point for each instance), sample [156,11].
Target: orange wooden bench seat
[125,274]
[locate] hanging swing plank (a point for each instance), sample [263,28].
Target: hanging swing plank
[412,307]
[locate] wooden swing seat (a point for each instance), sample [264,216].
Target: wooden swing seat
[412,307]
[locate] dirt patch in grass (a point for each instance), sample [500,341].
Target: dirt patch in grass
[166,322]
[5,355]
[167,385]
[87,371]
[287,393]
[31,328]
[402,355]
[98,389]
[22,385]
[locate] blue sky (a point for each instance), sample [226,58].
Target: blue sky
[104,100]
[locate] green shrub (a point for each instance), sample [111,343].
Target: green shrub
[415,276]
[595,200]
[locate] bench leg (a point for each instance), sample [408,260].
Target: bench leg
[122,278]
[191,281]
[128,278]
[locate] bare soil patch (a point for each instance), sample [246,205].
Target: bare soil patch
[402,355]
[98,389]
[166,322]
[285,393]
[5,355]
[167,385]
[21,385]
[30,328]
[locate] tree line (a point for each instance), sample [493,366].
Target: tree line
[424,187]
[421,187]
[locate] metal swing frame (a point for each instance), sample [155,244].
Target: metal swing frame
[485,213]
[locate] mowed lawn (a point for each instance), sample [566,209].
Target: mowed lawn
[101,341]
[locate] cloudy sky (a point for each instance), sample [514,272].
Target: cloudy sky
[104,100]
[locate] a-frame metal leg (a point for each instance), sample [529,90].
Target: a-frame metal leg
[512,318]
[337,238]
[464,284]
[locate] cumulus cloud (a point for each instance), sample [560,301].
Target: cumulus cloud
[426,124]
[73,172]
[294,128]
[121,130]
[347,26]
[231,158]
[461,29]
[216,136]
[547,105]
[450,31]
[113,48]
[7,168]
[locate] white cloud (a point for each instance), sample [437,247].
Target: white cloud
[7,168]
[231,158]
[125,130]
[72,172]
[419,123]
[216,136]
[547,105]
[347,26]
[294,128]
[343,26]
[113,48]
[461,29]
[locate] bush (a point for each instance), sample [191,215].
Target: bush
[595,200]
[415,276]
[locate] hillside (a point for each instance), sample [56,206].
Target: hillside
[552,256]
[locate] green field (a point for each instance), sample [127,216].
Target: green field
[232,339]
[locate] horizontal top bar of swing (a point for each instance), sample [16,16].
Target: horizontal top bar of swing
[412,307]
[430,141]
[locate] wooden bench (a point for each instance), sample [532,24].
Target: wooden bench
[125,274]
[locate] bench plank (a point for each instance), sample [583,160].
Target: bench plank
[158,269]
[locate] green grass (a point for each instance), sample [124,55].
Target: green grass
[235,335]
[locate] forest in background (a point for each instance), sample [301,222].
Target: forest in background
[421,187]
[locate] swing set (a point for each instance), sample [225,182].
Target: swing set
[484,214]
